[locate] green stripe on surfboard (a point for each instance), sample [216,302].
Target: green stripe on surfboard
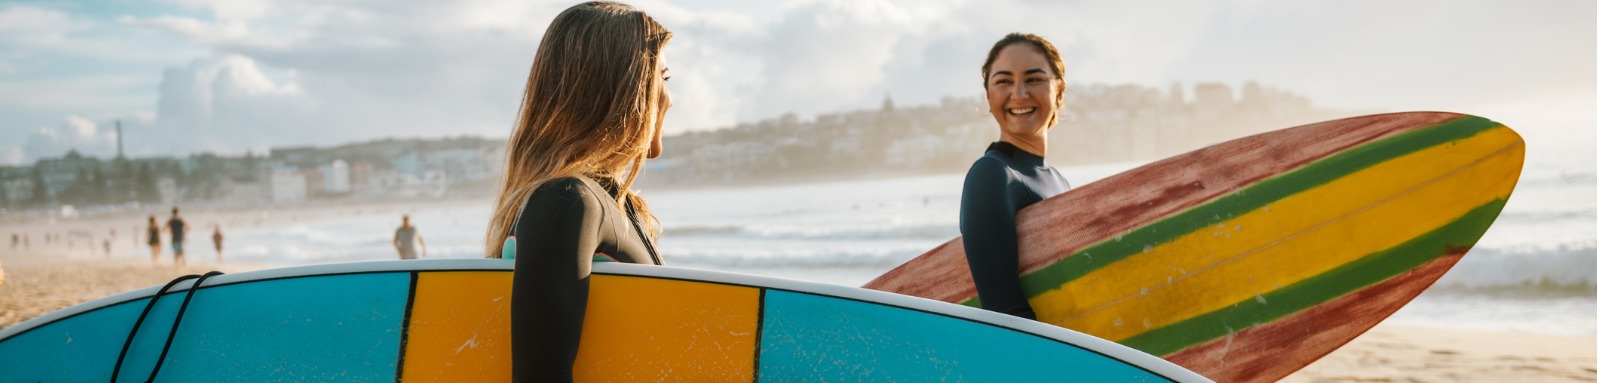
[1363,272]
[1247,199]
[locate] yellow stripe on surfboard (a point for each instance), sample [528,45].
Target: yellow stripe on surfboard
[1428,188]
[653,330]
[635,329]
[460,328]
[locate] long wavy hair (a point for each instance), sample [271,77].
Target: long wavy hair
[589,110]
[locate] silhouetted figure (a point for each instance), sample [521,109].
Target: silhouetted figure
[153,238]
[407,241]
[177,227]
[216,240]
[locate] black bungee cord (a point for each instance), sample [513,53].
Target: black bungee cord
[199,279]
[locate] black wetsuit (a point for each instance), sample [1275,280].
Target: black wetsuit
[1001,183]
[566,224]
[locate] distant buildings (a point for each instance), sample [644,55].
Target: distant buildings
[379,169]
[1102,123]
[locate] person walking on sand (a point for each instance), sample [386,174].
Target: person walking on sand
[177,227]
[154,240]
[407,241]
[216,240]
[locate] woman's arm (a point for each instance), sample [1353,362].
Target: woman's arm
[557,235]
[989,236]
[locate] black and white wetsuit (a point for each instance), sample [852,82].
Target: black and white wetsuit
[1001,183]
[567,224]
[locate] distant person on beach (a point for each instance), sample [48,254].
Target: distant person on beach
[14,241]
[107,243]
[153,236]
[216,240]
[591,115]
[177,227]
[1022,80]
[407,241]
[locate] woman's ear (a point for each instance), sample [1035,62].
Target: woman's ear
[1061,95]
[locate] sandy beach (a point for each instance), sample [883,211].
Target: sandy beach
[1404,353]
[38,275]
[46,277]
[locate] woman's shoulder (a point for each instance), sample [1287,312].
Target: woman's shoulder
[988,165]
[564,188]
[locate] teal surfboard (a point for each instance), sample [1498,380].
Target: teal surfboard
[448,320]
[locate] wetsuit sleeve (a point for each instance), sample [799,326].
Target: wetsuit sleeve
[557,235]
[989,236]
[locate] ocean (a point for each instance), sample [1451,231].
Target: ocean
[1533,272]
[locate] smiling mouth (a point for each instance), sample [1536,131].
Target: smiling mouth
[1021,111]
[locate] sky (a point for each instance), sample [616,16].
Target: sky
[186,76]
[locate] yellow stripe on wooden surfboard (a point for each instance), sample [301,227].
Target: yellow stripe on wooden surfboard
[1243,258]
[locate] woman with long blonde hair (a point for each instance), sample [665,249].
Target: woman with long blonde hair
[590,116]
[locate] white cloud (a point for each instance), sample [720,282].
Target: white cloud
[241,10]
[74,133]
[33,24]
[223,33]
[314,72]
[35,33]
[224,104]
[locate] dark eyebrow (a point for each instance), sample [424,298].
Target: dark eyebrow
[1027,72]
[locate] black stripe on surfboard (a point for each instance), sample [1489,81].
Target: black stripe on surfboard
[405,329]
[761,320]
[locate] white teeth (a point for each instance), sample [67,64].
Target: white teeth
[1022,111]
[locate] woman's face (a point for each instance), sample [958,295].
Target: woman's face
[1023,94]
[664,102]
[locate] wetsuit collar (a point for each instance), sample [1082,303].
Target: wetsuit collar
[1016,153]
[609,184]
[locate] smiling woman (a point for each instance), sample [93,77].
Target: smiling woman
[1024,87]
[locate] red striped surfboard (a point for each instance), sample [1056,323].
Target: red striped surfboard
[1247,260]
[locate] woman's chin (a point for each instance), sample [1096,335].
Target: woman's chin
[1025,128]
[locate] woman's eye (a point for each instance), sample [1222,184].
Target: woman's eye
[668,78]
[1035,80]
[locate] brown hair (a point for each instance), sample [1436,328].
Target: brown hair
[1044,47]
[589,109]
